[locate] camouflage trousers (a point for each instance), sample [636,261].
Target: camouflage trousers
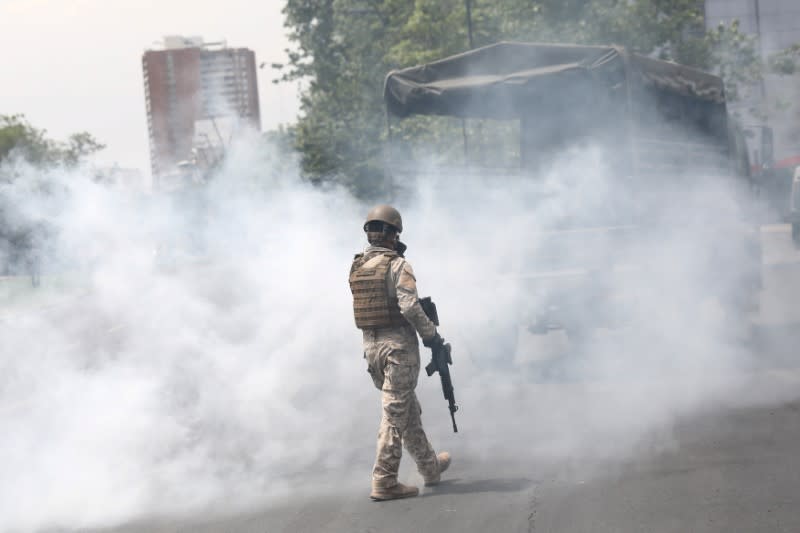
[393,363]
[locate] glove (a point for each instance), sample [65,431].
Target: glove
[434,342]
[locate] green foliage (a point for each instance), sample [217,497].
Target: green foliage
[16,134]
[786,61]
[23,235]
[343,50]
[78,146]
[421,38]
[732,55]
[19,138]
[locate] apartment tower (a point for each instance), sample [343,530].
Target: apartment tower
[191,89]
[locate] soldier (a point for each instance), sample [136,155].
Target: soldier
[387,310]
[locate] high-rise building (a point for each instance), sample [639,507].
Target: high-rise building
[197,94]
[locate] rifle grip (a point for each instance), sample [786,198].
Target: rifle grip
[430,368]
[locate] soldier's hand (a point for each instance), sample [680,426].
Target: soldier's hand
[434,342]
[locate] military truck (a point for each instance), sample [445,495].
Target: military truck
[659,123]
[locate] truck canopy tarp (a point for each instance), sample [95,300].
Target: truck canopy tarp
[504,80]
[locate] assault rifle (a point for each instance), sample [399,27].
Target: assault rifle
[440,360]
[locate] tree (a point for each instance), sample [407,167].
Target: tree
[23,238]
[345,48]
[16,134]
[785,62]
[18,137]
[78,146]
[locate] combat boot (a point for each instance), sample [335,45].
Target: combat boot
[396,492]
[443,460]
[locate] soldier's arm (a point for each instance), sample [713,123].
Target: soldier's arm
[408,300]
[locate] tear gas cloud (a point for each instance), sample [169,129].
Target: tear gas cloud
[195,351]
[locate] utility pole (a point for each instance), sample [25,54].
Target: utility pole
[762,86]
[468,6]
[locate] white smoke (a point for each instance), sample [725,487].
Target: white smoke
[199,349]
[674,344]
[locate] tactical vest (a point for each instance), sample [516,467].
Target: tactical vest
[372,306]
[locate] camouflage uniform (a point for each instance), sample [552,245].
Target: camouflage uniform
[393,361]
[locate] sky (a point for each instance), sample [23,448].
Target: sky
[75,65]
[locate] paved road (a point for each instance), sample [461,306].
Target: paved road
[726,467]
[734,471]
[737,469]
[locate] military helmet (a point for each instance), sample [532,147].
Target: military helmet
[386,214]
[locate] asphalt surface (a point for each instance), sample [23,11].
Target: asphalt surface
[732,471]
[737,469]
[729,468]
